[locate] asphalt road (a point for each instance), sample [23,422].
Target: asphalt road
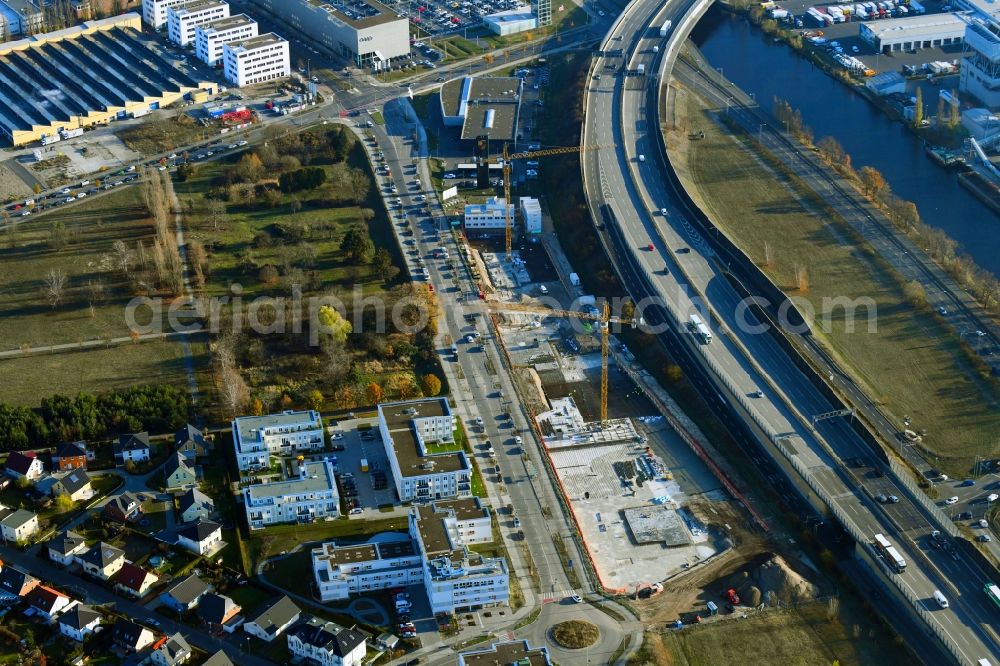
[680,271]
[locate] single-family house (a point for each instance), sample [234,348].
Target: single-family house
[65,546]
[269,623]
[218,659]
[17,524]
[177,472]
[79,621]
[70,455]
[26,465]
[217,609]
[16,584]
[133,447]
[195,505]
[48,603]
[133,580]
[170,651]
[130,636]
[102,560]
[185,594]
[122,508]
[76,484]
[325,642]
[202,537]
[191,443]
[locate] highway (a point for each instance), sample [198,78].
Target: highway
[680,271]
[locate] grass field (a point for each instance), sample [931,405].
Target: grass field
[158,136]
[272,540]
[912,364]
[802,636]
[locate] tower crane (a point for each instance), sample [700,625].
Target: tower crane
[604,318]
[508,157]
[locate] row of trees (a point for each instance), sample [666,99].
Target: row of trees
[93,416]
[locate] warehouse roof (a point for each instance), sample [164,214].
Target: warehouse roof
[915,27]
[488,105]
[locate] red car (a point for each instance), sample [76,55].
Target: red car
[650,247]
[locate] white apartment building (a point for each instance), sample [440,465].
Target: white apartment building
[435,555]
[309,497]
[257,438]
[489,215]
[182,20]
[531,213]
[341,571]
[254,60]
[407,428]
[154,12]
[211,37]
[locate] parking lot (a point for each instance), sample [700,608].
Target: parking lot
[437,18]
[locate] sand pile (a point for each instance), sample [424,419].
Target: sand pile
[772,577]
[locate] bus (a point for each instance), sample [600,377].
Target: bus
[993,592]
[889,554]
[700,330]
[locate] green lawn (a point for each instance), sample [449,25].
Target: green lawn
[272,540]
[911,364]
[250,597]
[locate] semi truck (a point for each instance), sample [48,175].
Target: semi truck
[69,134]
[665,28]
[699,329]
[640,69]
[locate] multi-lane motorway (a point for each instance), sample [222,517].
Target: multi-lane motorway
[628,190]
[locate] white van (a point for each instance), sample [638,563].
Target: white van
[642,158]
[939,598]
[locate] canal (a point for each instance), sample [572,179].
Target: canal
[830,108]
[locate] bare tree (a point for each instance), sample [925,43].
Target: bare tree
[233,389]
[55,286]
[95,292]
[123,257]
[216,210]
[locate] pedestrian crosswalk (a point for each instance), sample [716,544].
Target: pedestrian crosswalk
[557,596]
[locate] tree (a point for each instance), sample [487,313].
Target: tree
[249,169]
[956,112]
[64,503]
[358,246]
[57,235]
[215,210]
[37,188]
[674,373]
[258,407]
[431,384]
[315,400]
[374,393]
[55,286]
[232,389]
[872,180]
[333,325]
[918,112]
[834,152]
[939,119]
[382,265]
[123,257]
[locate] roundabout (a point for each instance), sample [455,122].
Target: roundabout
[575,634]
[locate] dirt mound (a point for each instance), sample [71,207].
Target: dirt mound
[772,577]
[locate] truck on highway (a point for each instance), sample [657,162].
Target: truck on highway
[640,69]
[889,553]
[665,28]
[697,326]
[993,592]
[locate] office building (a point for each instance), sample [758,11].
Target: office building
[310,496]
[211,37]
[255,60]
[407,428]
[22,17]
[154,12]
[482,106]
[257,438]
[531,215]
[184,19]
[980,71]
[491,215]
[511,21]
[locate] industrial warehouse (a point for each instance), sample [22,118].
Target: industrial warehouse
[363,31]
[482,106]
[92,74]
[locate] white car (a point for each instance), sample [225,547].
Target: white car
[161,168]
[356,512]
[81,195]
[531,173]
[241,143]
[576,597]
[951,500]
[337,435]
[64,190]
[518,440]
[449,176]
[25,213]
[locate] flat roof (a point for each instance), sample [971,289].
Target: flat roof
[322,471]
[474,97]
[399,422]
[228,23]
[433,533]
[258,42]
[246,425]
[925,25]
[513,652]
[657,524]
[466,508]
[367,552]
[358,14]
[197,6]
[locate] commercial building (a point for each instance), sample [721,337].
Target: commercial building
[886,83]
[914,32]
[363,31]
[22,17]
[511,652]
[980,71]
[490,215]
[435,554]
[531,214]
[211,37]
[482,107]
[309,497]
[407,428]
[183,19]
[154,12]
[511,22]
[257,438]
[255,60]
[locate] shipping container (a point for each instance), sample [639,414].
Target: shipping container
[51,138]
[69,134]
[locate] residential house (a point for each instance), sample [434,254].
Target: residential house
[130,636]
[78,622]
[70,455]
[17,524]
[47,602]
[269,623]
[177,472]
[122,508]
[217,609]
[218,659]
[202,537]
[26,465]
[65,546]
[16,584]
[102,560]
[132,448]
[185,594]
[170,651]
[195,505]
[76,484]
[133,580]
[327,643]
[192,443]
